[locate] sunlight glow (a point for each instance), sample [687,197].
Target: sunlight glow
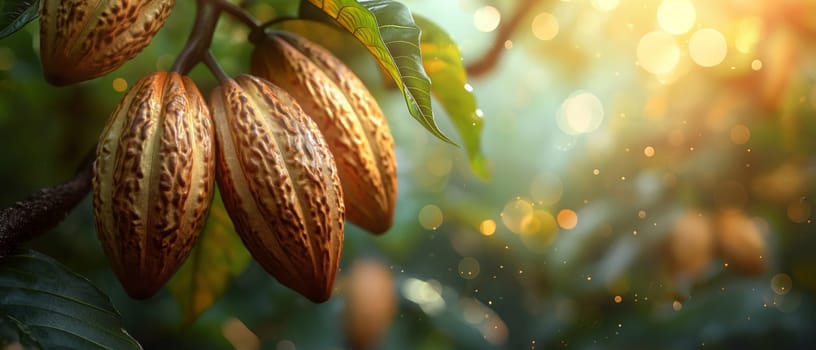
[605,5]
[676,16]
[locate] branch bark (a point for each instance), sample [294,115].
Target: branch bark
[44,209]
[487,62]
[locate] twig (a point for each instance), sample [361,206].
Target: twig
[44,209]
[198,44]
[487,62]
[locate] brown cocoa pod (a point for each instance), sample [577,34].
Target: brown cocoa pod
[153,180]
[691,246]
[279,184]
[347,115]
[741,242]
[82,40]
[371,303]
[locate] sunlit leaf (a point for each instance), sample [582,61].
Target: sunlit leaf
[443,63]
[14,14]
[218,257]
[388,31]
[56,308]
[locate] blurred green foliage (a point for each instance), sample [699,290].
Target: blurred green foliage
[568,245]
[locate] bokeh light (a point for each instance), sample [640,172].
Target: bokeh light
[487,227]
[119,85]
[469,268]
[676,16]
[486,19]
[545,26]
[516,214]
[781,284]
[430,217]
[658,53]
[567,219]
[707,47]
[582,112]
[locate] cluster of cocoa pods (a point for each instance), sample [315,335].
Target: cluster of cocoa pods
[697,239]
[292,161]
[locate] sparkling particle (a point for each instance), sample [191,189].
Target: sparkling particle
[781,284]
[596,171]
[642,214]
[119,85]
[707,47]
[430,217]
[756,64]
[469,268]
[618,299]
[676,16]
[545,26]
[486,19]
[649,151]
[658,53]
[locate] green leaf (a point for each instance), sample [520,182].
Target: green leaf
[14,14]
[443,63]
[57,308]
[387,29]
[218,257]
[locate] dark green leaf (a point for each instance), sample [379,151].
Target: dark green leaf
[14,14]
[56,307]
[443,63]
[388,31]
[218,257]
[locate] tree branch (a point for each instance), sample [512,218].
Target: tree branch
[44,209]
[489,60]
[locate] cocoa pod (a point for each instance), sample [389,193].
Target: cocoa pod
[279,184]
[691,246]
[82,40]
[371,303]
[347,115]
[153,180]
[741,242]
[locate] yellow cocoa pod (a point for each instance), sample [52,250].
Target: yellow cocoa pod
[153,180]
[371,303]
[741,242]
[347,115]
[85,39]
[279,184]
[691,246]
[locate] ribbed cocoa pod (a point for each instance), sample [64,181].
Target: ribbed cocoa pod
[691,246]
[347,115]
[371,303]
[85,39]
[279,184]
[153,180]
